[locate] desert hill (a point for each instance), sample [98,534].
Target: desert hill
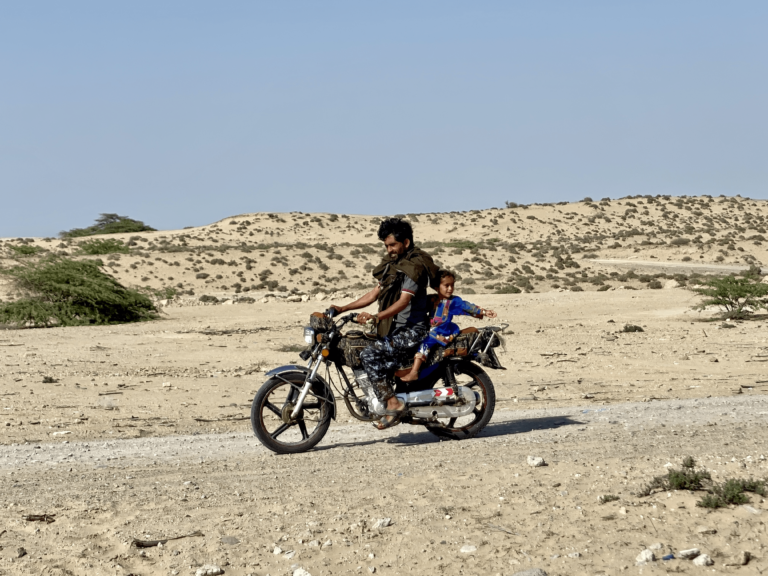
[532,248]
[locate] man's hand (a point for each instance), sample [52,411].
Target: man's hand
[339,309]
[363,317]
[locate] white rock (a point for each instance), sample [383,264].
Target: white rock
[314,544]
[305,298]
[320,296]
[382,523]
[751,509]
[703,560]
[277,550]
[209,570]
[656,546]
[468,549]
[645,556]
[669,284]
[294,298]
[327,544]
[301,572]
[228,302]
[535,461]
[689,554]
[290,554]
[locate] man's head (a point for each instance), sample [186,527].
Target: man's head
[397,236]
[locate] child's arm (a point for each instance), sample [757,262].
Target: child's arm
[464,308]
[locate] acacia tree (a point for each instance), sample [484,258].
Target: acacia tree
[736,297]
[109,224]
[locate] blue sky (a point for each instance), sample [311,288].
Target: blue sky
[181,113]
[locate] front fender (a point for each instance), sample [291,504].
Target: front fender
[328,391]
[288,368]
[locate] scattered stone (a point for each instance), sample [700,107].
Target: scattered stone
[751,509]
[468,549]
[372,569]
[623,510]
[689,554]
[209,570]
[531,572]
[229,540]
[327,544]
[645,556]
[656,546]
[706,530]
[536,461]
[21,552]
[741,559]
[669,284]
[703,560]
[574,555]
[320,296]
[301,572]
[314,544]
[382,523]
[290,554]
[294,298]
[277,550]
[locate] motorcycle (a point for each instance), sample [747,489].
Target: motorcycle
[453,398]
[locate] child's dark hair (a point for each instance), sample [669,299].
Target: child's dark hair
[447,274]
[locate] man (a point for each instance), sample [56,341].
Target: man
[402,320]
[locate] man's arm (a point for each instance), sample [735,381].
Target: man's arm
[393,310]
[361,302]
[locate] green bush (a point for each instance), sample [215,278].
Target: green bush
[106,246]
[508,290]
[25,250]
[687,478]
[730,492]
[61,292]
[108,224]
[736,297]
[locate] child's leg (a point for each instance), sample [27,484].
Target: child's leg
[418,359]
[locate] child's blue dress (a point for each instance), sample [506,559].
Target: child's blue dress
[441,319]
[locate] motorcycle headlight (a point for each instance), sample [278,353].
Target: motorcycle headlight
[309,335]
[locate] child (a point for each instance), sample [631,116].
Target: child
[444,307]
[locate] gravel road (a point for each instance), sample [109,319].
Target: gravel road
[589,420]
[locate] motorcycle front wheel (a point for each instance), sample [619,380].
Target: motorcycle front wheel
[271,414]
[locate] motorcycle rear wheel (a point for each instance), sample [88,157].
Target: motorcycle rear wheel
[475,378]
[271,415]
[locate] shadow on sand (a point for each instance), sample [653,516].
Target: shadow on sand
[493,429]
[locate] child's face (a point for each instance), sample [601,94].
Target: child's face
[446,287]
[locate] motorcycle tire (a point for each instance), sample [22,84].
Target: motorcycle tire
[271,409]
[479,381]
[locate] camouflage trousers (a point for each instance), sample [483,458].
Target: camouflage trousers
[381,359]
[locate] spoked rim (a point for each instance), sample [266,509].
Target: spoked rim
[474,383]
[276,408]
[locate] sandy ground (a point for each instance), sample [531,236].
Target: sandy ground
[144,435]
[142,431]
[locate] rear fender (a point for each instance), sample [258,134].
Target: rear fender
[327,392]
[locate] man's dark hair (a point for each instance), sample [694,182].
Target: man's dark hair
[396,227]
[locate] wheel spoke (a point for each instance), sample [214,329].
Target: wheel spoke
[303,428]
[272,408]
[280,430]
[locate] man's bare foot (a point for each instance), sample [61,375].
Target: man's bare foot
[412,376]
[394,404]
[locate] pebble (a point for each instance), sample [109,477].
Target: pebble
[741,559]
[703,560]
[536,461]
[656,546]
[531,572]
[645,556]
[751,509]
[229,540]
[21,552]
[689,554]
[382,523]
[468,549]
[706,530]
[277,550]
[301,572]
[209,570]
[327,544]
